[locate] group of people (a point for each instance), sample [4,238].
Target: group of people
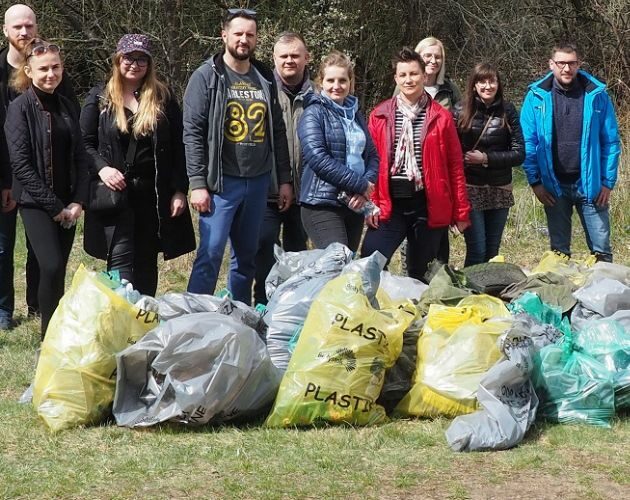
[269,153]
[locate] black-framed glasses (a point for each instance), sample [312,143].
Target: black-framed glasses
[141,61]
[41,49]
[563,64]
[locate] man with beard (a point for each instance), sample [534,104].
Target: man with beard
[290,57]
[236,153]
[20,26]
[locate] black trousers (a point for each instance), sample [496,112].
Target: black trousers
[408,220]
[325,225]
[51,245]
[293,240]
[132,239]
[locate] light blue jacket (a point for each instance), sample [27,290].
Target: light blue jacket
[600,137]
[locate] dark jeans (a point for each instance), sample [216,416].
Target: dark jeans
[483,237]
[132,241]
[293,240]
[7,248]
[326,225]
[406,221]
[51,245]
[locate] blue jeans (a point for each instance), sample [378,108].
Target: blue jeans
[594,219]
[236,213]
[483,237]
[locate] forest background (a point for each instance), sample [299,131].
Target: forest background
[401,459]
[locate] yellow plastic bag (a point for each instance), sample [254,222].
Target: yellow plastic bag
[575,270]
[338,367]
[75,378]
[457,346]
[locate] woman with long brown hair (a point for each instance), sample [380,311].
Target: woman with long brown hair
[49,165]
[492,141]
[133,131]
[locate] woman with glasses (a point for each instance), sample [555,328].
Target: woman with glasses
[49,165]
[132,129]
[492,141]
[340,163]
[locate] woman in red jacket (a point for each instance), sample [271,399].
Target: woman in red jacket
[421,188]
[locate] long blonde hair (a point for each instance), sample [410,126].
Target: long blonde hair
[153,95]
[430,42]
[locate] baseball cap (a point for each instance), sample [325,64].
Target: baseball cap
[134,42]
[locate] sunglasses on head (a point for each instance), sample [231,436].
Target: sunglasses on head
[232,13]
[41,49]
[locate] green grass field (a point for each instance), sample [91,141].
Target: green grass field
[401,459]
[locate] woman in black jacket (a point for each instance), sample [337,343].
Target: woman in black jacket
[134,110]
[49,165]
[492,141]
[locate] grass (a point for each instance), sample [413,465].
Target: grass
[401,459]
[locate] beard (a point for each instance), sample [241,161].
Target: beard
[18,43]
[233,51]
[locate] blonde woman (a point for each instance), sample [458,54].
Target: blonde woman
[132,129]
[49,166]
[338,157]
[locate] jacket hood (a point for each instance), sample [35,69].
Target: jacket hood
[588,81]
[346,110]
[217,62]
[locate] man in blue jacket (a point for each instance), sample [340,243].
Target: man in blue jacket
[236,153]
[572,151]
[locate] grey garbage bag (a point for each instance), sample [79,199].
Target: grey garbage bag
[604,296]
[174,305]
[289,305]
[609,270]
[196,369]
[506,393]
[288,264]
[402,287]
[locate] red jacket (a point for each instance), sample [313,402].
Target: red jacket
[442,163]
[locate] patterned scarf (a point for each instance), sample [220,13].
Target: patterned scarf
[405,158]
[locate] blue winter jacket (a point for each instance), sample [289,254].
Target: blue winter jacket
[600,137]
[323,140]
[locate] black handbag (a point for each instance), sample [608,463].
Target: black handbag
[103,199]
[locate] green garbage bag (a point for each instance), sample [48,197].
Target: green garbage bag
[573,387]
[607,341]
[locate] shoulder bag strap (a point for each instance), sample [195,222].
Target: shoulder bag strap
[485,127]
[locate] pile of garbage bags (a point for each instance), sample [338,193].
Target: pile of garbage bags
[343,341]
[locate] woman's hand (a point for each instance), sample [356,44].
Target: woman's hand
[476,157]
[357,201]
[369,190]
[372,221]
[178,204]
[113,178]
[63,217]
[75,210]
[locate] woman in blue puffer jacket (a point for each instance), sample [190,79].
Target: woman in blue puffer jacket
[339,158]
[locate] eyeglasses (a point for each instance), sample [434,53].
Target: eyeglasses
[563,64]
[41,49]
[141,61]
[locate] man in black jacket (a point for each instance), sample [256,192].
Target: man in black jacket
[20,26]
[236,152]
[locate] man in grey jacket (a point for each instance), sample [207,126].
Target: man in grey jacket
[290,56]
[236,153]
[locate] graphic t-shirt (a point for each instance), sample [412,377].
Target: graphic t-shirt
[246,146]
